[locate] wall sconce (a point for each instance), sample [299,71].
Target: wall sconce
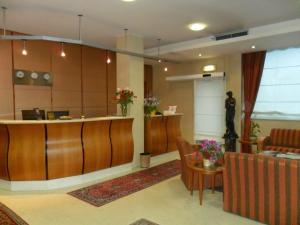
[209,68]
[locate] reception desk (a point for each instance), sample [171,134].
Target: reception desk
[161,133]
[52,149]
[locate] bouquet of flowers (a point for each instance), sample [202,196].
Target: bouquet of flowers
[150,105]
[211,150]
[124,98]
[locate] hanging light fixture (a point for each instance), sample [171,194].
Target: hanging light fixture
[158,50]
[108,59]
[24,51]
[62,53]
[166,69]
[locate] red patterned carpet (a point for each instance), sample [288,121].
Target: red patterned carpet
[8,217]
[108,191]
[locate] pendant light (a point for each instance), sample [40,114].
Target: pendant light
[62,52]
[108,60]
[24,51]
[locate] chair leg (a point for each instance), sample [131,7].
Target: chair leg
[192,183]
[200,188]
[213,184]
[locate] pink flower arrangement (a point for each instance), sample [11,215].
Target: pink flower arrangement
[211,150]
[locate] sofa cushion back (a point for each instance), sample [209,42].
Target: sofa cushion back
[262,188]
[285,137]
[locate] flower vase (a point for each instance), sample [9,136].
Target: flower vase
[124,110]
[153,113]
[207,163]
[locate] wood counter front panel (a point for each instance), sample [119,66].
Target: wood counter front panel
[173,131]
[27,152]
[155,135]
[4,142]
[121,141]
[96,145]
[64,150]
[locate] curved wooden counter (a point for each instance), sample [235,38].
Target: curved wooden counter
[96,145]
[44,150]
[156,141]
[121,142]
[161,133]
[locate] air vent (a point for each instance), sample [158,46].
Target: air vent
[231,35]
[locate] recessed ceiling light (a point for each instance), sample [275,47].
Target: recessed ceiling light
[197,26]
[128,0]
[253,46]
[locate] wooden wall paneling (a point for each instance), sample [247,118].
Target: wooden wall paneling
[111,84]
[94,81]
[38,59]
[122,141]
[27,152]
[64,150]
[96,145]
[155,135]
[29,97]
[66,90]
[6,87]
[4,144]
[173,131]
[148,80]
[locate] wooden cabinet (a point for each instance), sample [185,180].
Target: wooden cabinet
[161,133]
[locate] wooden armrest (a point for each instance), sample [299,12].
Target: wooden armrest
[195,147]
[262,142]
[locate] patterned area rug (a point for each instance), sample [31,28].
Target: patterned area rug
[108,191]
[8,217]
[143,222]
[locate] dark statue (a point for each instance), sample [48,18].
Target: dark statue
[230,136]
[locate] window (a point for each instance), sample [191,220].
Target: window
[209,109]
[279,92]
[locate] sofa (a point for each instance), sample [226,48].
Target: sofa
[283,140]
[262,188]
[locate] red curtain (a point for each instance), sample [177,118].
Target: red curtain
[252,69]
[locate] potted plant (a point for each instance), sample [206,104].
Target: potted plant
[254,131]
[150,106]
[211,152]
[124,98]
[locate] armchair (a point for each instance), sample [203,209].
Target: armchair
[283,140]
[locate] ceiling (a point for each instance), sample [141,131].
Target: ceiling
[266,43]
[105,20]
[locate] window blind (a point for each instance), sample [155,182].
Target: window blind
[279,91]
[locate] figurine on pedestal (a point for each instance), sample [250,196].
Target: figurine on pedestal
[230,136]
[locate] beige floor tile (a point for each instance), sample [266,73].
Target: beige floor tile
[167,203]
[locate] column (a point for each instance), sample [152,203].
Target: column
[130,73]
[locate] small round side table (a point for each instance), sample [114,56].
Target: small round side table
[196,167]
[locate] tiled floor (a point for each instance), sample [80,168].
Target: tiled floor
[167,203]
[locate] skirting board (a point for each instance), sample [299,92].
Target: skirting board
[81,179]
